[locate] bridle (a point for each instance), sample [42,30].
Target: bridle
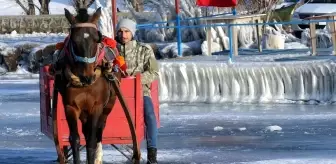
[75,58]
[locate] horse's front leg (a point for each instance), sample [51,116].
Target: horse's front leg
[99,153]
[91,138]
[71,114]
[101,126]
[99,150]
[100,130]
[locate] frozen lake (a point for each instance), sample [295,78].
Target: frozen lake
[189,133]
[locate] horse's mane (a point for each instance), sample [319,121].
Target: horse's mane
[82,15]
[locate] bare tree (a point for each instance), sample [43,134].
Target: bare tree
[44,7]
[81,3]
[138,5]
[31,7]
[90,3]
[28,6]
[22,6]
[256,6]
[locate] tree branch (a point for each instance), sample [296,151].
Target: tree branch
[22,6]
[76,4]
[90,3]
[38,8]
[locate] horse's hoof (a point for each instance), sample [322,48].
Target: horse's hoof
[61,162]
[135,161]
[99,154]
[148,162]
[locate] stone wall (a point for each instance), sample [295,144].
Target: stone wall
[38,23]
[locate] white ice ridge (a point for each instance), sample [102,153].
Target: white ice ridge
[266,82]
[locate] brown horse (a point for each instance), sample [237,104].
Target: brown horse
[87,95]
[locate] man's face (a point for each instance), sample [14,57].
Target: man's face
[124,35]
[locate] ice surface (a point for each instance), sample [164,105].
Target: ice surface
[294,161]
[187,132]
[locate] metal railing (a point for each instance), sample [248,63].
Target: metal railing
[178,25]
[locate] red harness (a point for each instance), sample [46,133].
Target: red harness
[106,42]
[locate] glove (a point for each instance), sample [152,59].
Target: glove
[110,42]
[120,61]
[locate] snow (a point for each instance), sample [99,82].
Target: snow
[6,49]
[283,5]
[41,38]
[273,128]
[16,81]
[242,128]
[218,128]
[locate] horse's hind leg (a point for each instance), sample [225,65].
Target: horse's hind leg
[71,116]
[99,153]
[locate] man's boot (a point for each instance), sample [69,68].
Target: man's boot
[151,156]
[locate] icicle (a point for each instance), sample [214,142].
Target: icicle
[204,82]
[323,38]
[105,20]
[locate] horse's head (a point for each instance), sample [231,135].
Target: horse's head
[83,43]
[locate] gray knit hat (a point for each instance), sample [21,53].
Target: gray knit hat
[127,23]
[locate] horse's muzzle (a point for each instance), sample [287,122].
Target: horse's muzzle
[87,79]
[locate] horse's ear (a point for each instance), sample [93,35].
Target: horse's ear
[69,16]
[95,16]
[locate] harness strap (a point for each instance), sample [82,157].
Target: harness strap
[101,54]
[84,25]
[66,49]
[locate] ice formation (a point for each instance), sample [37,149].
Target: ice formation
[105,20]
[251,82]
